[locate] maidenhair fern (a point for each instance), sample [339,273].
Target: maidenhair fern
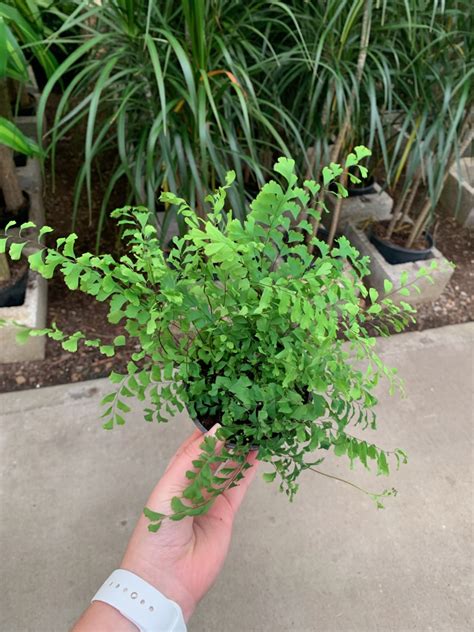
[241,325]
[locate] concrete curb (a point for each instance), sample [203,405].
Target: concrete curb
[381,270]
[33,312]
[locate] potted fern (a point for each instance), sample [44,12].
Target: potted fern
[244,327]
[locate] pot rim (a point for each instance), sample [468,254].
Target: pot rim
[398,248]
[229,444]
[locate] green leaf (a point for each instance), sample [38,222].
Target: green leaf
[286,167]
[44,230]
[269,477]
[16,250]
[387,286]
[154,527]
[382,463]
[352,308]
[36,260]
[116,378]
[154,516]
[70,344]
[108,399]
[14,138]
[22,336]
[324,269]
[107,350]
[373,294]
[123,406]
[362,152]
[178,507]
[119,420]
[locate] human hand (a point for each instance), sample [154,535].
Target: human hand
[185,557]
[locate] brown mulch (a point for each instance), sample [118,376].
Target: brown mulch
[17,270]
[74,311]
[456,304]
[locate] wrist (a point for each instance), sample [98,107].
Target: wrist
[104,617]
[165,582]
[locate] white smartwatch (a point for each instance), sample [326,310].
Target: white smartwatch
[140,603]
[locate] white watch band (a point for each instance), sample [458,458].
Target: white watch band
[140,603]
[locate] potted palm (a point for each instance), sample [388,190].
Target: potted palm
[22,294]
[14,201]
[241,324]
[406,236]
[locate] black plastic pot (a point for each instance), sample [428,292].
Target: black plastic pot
[366,187]
[398,254]
[19,217]
[229,444]
[20,159]
[14,295]
[26,110]
[322,233]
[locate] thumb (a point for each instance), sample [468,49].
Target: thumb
[174,479]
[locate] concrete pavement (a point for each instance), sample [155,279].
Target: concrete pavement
[329,562]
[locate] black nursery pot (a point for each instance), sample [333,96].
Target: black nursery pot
[20,216]
[27,110]
[322,233]
[398,254]
[367,187]
[229,444]
[14,295]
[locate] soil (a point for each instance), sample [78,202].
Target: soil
[456,304]
[72,311]
[75,311]
[400,237]
[17,272]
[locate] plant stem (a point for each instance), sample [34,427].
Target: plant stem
[364,43]
[8,178]
[397,213]
[343,480]
[420,223]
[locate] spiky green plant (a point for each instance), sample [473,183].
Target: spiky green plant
[172,91]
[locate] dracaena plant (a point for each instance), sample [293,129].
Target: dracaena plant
[243,326]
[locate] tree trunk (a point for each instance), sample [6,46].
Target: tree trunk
[398,218]
[420,224]
[9,184]
[4,269]
[364,43]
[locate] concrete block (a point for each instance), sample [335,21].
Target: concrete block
[457,197]
[28,125]
[32,182]
[34,309]
[381,270]
[377,206]
[32,314]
